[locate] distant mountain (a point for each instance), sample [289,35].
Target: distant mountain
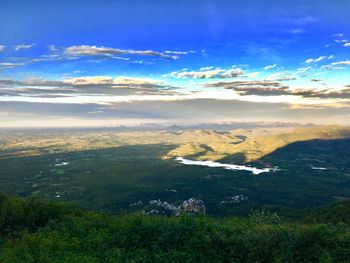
[174,127]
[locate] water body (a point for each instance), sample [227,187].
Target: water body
[225,166]
[318,168]
[62,164]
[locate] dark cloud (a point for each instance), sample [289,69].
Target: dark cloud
[84,85]
[327,94]
[264,91]
[286,77]
[275,88]
[244,83]
[35,82]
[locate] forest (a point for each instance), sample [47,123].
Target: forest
[38,230]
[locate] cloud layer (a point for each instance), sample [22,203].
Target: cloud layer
[71,86]
[275,88]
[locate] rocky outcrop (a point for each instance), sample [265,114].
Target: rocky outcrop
[236,199]
[192,206]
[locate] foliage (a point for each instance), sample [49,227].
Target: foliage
[337,213]
[264,217]
[37,231]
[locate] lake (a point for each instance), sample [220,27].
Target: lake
[225,166]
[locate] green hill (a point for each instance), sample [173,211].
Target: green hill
[37,231]
[339,212]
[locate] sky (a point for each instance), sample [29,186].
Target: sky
[106,63]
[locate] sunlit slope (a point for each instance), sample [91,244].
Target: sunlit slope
[204,142]
[257,146]
[24,144]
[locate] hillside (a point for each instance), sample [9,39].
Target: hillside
[256,146]
[339,212]
[38,231]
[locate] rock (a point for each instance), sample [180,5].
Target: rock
[138,203]
[164,207]
[192,206]
[236,199]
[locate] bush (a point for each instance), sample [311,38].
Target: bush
[38,231]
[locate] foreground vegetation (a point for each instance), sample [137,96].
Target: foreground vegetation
[33,230]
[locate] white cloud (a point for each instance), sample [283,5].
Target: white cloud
[338,35]
[106,80]
[347,44]
[341,40]
[95,80]
[2,48]
[311,60]
[252,74]
[8,65]
[207,73]
[331,67]
[23,46]
[270,66]
[180,52]
[344,62]
[297,31]
[203,68]
[303,69]
[52,48]
[85,50]
[319,59]
[336,65]
[281,76]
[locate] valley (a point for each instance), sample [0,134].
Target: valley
[110,171]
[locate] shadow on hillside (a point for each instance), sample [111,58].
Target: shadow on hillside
[237,158]
[336,147]
[317,149]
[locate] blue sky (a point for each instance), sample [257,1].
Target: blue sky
[291,59]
